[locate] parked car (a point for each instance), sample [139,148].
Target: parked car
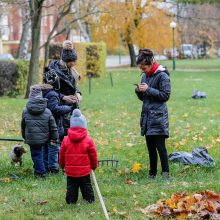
[188,51]
[218,52]
[160,57]
[170,53]
[6,56]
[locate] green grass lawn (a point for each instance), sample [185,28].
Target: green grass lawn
[113,122]
[201,64]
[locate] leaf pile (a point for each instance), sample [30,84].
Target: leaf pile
[200,205]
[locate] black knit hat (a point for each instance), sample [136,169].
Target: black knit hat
[68,53]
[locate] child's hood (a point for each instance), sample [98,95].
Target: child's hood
[46,87]
[77,134]
[36,106]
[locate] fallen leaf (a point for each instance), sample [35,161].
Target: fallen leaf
[42,202]
[130,182]
[200,205]
[136,167]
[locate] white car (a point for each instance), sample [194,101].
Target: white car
[6,56]
[218,52]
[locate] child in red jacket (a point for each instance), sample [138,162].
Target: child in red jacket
[78,156]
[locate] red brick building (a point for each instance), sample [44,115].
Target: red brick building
[11,26]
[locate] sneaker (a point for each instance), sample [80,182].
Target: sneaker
[53,171]
[40,175]
[152,177]
[166,176]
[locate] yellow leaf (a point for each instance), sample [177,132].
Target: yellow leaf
[217,139]
[7,180]
[185,115]
[136,167]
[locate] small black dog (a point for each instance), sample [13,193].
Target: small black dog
[16,154]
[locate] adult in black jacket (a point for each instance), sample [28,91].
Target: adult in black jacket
[154,91]
[38,127]
[68,77]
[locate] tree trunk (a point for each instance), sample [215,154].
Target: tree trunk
[132,55]
[46,52]
[35,12]
[25,37]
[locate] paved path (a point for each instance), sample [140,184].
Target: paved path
[117,61]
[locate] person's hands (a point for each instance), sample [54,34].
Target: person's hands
[71,99]
[142,87]
[79,97]
[54,142]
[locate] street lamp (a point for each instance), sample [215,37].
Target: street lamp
[173,26]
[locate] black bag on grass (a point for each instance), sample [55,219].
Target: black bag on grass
[199,156]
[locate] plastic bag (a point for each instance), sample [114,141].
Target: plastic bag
[199,156]
[198,94]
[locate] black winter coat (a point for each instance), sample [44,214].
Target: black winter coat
[67,81]
[38,125]
[154,116]
[53,103]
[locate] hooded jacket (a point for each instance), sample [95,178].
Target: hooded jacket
[38,125]
[154,115]
[78,153]
[53,103]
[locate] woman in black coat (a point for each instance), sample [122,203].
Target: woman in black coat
[154,91]
[64,68]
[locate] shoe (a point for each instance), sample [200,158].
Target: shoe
[152,177]
[166,176]
[40,175]
[53,171]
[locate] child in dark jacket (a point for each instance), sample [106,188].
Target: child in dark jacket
[78,156]
[51,92]
[38,127]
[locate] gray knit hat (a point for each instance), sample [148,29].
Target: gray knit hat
[68,53]
[35,92]
[77,119]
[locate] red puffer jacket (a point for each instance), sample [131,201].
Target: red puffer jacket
[78,153]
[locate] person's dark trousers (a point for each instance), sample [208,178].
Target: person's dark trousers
[37,158]
[50,155]
[66,123]
[156,143]
[73,185]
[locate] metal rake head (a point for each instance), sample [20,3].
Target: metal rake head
[112,162]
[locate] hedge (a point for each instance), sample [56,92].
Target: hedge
[91,57]
[14,76]
[8,77]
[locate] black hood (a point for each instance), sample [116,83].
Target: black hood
[36,106]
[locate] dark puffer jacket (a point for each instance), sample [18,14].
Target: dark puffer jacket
[53,103]
[154,116]
[38,125]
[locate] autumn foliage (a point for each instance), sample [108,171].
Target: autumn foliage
[142,23]
[200,205]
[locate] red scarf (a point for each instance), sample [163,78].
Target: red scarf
[153,69]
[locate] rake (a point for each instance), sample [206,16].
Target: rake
[108,162]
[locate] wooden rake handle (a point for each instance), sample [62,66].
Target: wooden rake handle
[100,196]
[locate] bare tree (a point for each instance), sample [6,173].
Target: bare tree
[71,10]
[200,24]
[64,11]
[26,31]
[36,15]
